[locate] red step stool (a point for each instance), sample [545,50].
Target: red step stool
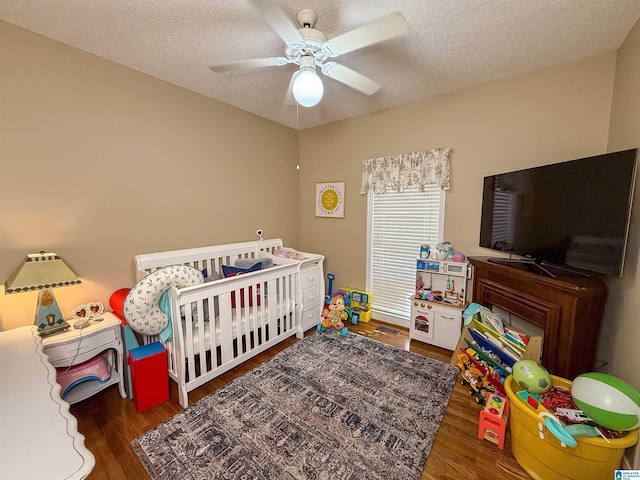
[149,375]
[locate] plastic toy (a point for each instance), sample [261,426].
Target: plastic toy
[444,251]
[609,401]
[116,302]
[565,433]
[360,304]
[557,429]
[492,425]
[330,277]
[531,376]
[533,401]
[475,378]
[550,421]
[490,373]
[94,369]
[334,315]
[458,257]
[351,315]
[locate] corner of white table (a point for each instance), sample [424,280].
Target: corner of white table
[39,437]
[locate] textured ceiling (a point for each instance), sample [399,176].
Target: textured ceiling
[451,44]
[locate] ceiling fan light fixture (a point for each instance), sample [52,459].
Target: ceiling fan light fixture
[307,87]
[310,48]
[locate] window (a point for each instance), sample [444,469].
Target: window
[398,224]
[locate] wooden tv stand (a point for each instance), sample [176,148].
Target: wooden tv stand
[569,308]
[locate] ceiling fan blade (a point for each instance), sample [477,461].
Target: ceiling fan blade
[350,78]
[278,21]
[380,30]
[247,64]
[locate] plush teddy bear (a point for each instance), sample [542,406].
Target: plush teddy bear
[334,315]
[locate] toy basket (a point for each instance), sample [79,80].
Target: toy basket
[546,458]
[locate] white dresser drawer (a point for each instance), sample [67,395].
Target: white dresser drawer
[311,276]
[77,348]
[311,317]
[311,296]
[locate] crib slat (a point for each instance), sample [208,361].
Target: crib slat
[188,347]
[257,313]
[270,326]
[202,350]
[285,322]
[284,317]
[213,301]
[225,328]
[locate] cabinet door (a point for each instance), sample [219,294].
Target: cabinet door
[448,326]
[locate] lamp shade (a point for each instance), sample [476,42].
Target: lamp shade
[307,87]
[38,271]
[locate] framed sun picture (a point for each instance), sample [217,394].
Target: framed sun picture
[330,199]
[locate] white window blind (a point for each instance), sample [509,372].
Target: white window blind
[398,224]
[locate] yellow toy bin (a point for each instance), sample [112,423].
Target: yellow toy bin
[546,459]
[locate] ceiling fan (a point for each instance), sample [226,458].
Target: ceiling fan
[310,48]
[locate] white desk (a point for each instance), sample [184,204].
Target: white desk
[39,438]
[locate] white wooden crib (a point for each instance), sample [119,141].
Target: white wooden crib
[250,312]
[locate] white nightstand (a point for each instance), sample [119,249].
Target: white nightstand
[79,345]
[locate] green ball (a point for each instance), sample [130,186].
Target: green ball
[531,376]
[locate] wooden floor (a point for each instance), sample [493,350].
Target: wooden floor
[109,423]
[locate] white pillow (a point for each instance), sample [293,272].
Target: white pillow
[141,310]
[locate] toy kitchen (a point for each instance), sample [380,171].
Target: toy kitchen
[440,296]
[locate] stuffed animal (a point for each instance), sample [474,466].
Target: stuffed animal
[334,315]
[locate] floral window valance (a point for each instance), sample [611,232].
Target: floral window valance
[400,171]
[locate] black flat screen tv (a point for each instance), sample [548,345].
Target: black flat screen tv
[571,214]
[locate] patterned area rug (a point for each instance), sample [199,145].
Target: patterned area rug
[328,407]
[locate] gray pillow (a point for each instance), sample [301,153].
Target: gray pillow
[249,262]
[212,277]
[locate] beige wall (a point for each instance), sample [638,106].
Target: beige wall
[99,162]
[547,116]
[620,337]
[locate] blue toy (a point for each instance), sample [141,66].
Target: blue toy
[330,277]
